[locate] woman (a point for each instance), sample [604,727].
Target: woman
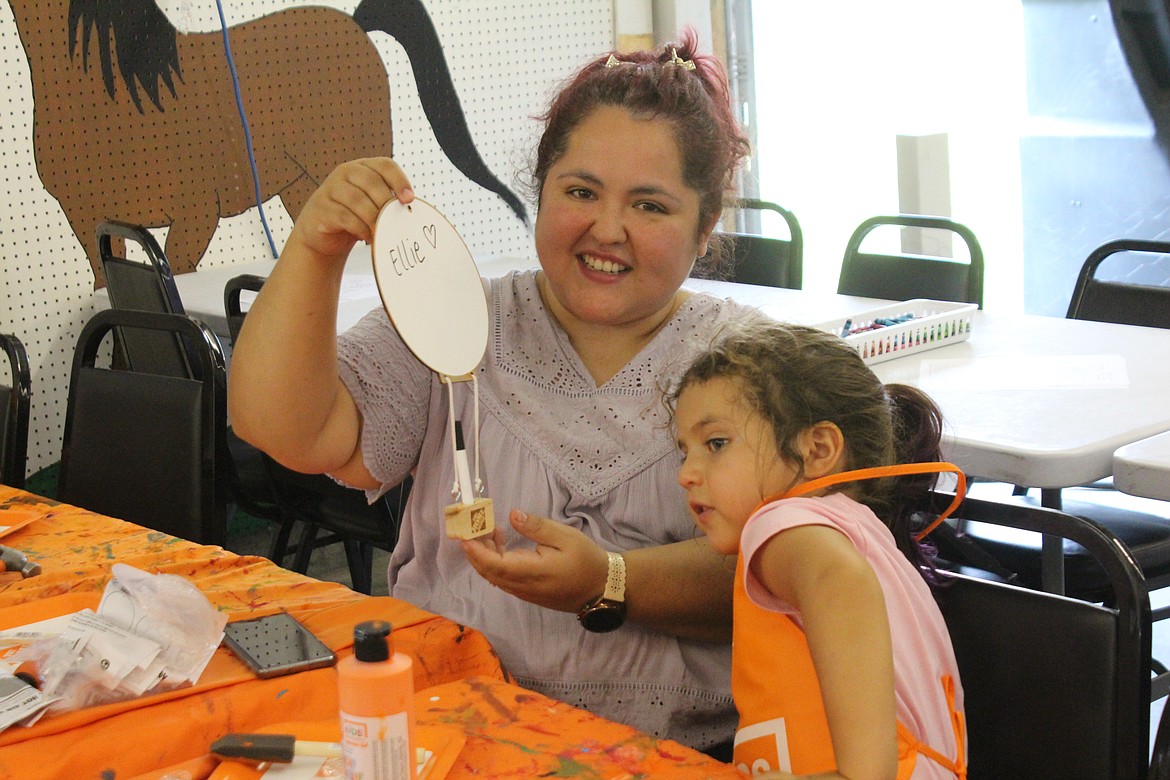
[637,154]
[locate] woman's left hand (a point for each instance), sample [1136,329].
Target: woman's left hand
[564,572]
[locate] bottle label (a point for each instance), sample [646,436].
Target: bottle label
[376,748]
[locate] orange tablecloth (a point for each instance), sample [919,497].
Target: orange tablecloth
[508,732]
[514,734]
[76,549]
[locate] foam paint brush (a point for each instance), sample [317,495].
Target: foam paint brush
[271,748]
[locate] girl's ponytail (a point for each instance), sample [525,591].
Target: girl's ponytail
[917,424]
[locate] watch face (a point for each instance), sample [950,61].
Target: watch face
[604,617]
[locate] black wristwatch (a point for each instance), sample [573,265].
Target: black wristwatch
[607,612]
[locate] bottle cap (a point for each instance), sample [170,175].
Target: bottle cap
[371,641]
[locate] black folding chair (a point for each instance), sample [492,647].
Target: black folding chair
[901,277]
[16,399]
[1114,300]
[147,447]
[755,258]
[343,515]
[145,283]
[1055,687]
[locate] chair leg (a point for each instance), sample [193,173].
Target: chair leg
[279,547]
[305,548]
[360,558]
[368,565]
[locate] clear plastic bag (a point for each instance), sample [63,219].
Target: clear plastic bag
[151,633]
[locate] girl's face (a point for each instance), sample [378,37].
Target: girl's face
[730,461]
[618,229]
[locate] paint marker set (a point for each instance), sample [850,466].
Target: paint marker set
[904,328]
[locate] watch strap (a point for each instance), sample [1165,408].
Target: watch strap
[615,580]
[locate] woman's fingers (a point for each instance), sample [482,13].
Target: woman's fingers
[561,572]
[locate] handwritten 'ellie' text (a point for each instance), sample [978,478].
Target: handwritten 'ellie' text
[406,256]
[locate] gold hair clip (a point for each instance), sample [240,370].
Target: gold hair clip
[612,62]
[679,61]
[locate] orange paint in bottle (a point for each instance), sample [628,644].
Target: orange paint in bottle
[375,688]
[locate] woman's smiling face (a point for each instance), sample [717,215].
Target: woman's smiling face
[618,229]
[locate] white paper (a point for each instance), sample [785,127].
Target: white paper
[18,700]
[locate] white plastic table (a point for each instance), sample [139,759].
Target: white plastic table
[1143,468]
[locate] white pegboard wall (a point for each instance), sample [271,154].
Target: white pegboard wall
[505,60]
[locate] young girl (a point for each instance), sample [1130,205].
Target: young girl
[842,665]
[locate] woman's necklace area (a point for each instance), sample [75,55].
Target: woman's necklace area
[605,350]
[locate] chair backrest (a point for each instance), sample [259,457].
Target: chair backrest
[231,300]
[144,286]
[900,277]
[1119,301]
[145,447]
[15,407]
[760,259]
[1054,687]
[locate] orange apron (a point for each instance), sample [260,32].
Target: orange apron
[782,721]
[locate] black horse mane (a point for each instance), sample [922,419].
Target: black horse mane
[145,40]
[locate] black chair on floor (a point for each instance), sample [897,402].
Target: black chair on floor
[149,285]
[317,502]
[903,276]
[148,447]
[343,515]
[753,258]
[1120,301]
[1128,303]
[1055,687]
[16,399]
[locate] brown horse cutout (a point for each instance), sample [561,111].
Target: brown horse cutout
[160,142]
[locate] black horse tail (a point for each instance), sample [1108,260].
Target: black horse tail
[408,23]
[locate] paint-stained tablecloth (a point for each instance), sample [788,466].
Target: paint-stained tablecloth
[76,549]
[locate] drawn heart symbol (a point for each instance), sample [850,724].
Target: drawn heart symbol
[429,232]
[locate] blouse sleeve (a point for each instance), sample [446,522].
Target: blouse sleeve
[392,391]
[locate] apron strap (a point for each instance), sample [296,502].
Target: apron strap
[959,764]
[877,472]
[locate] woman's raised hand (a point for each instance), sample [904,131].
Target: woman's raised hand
[344,209]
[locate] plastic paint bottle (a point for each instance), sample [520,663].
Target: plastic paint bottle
[375,688]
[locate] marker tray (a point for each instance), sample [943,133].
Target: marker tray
[934,324]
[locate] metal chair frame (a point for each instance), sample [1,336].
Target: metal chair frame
[315,500]
[1055,686]
[1115,301]
[17,410]
[907,276]
[752,258]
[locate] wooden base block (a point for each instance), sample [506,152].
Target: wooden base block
[467,521]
